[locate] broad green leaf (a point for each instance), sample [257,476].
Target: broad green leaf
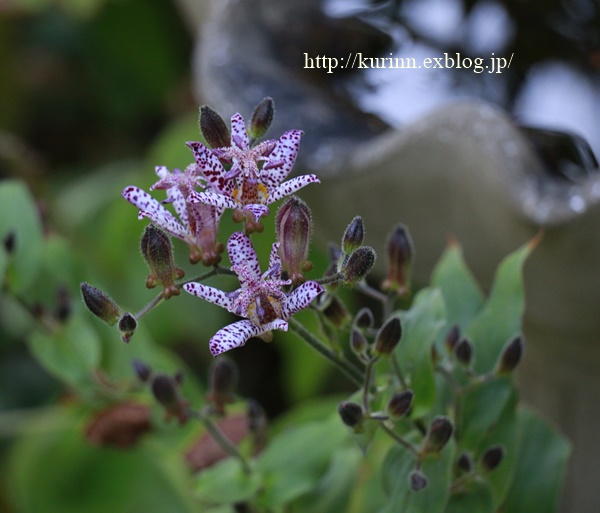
[540,467]
[71,353]
[462,295]
[226,483]
[295,460]
[433,498]
[500,318]
[420,326]
[19,216]
[476,498]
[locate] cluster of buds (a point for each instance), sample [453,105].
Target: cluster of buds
[356,260]
[385,341]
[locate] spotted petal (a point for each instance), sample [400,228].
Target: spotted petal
[257,210]
[211,294]
[242,254]
[300,298]
[239,137]
[211,167]
[275,261]
[213,198]
[152,209]
[238,333]
[179,204]
[291,186]
[281,160]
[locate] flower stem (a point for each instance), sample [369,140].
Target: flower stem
[401,440]
[367,385]
[330,279]
[345,366]
[371,292]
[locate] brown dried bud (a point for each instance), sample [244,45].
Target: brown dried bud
[400,404]
[223,380]
[213,128]
[439,432]
[388,337]
[294,229]
[510,356]
[100,304]
[359,264]
[491,458]
[127,325]
[400,254]
[262,118]
[158,252]
[353,235]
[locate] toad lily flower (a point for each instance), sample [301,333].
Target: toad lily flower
[199,223]
[259,299]
[246,186]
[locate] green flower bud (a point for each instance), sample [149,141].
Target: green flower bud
[359,264]
[261,118]
[400,254]
[353,236]
[100,304]
[294,229]
[388,337]
[400,404]
[439,432]
[223,380]
[213,128]
[510,356]
[127,325]
[418,480]
[464,351]
[352,415]
[491,458]
[158,252]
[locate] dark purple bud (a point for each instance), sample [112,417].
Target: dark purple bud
[364,318]
[452,338]
[400,404]
[142,371]
[400,254]
[63,304]
[165,390]
[158,252]
[223,380]
[511,356]
[464,462]
[388,337]
[352,415]
[491,458]
[334,252]
[9,242]
[358,265]
[358,342]
[353,236]
[294,228]
[334,310]
[439,432]
[261,118]
[464,351]
[418,480]
[213,128]
[127,325]
[100,304]
[257,418]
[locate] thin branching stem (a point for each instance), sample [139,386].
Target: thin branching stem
[366,289]
[400,440]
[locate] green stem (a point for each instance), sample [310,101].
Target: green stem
[401,440]
[367,385]
[330,279]
[371,292]
[398,371]
[346,367]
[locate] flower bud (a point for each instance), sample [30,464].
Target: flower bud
[452,338]
[491,458]
[158,252]
[261,118]
[439,432]
[213,128]
[400,404]
[127,325]
[510,356]
[358,342]
[364,318]
[464,351]
[294,227]
[333,309]
[353,236]
[257,421]
[400,253]
[9,242]
[464,462]
[165,390]
[352,415]
[223,380]
[142,371]
[63,304]
[418,480]
[388,337]
[100,304]
[359,264]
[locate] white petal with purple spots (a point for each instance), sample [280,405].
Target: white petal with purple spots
[211,294]
[280,161]
[241,253]
[257,210]
[233,335]
[239,137]
[291,186]
[174,195]
[211,167]
[300,298]
[213,198]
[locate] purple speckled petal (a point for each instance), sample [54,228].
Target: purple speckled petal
[152,209]
[211,294]
[291,186]
[275,261]
[257,210]
[241,254]
[300,298]
[174,194]
[234,335]
[213,198]
[211,168]
[281,160]
[239,137]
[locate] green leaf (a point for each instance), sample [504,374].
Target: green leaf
[540,467]
[71,353]
[420,326]
[397,467]
[462,296]
[500,318]
[226,483]
[19,215]
[476,498]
